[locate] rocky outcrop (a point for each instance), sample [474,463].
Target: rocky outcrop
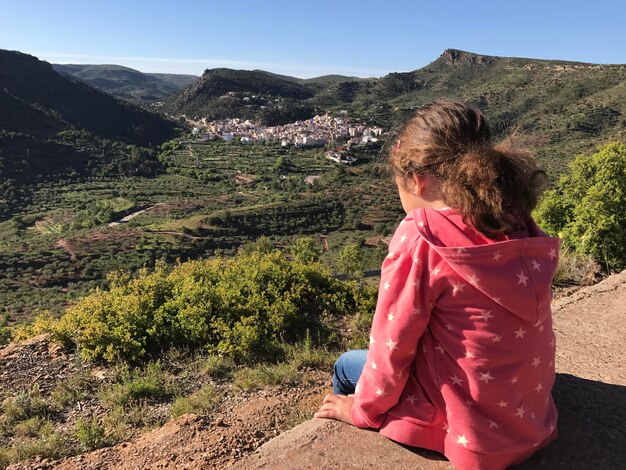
[457,57]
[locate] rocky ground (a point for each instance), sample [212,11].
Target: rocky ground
[590,392]
[240,423]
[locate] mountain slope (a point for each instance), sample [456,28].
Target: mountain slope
[127,83]
[50,125]
[559,106]
[247,94]
[41,102]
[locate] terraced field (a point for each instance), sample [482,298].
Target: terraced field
[213,198]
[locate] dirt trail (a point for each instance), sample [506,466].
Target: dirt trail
[133,215]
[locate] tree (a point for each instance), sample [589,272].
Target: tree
[306,250]
[262,245]
[351,260]
[587,209]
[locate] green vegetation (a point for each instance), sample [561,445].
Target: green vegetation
[306,250]
[24,405]
[52,128]
[90,434]
[200,402]
[245,307]
[266,375]
[70,391]
[217,367]
[127,83]
[133,386]
[5,332]
[555,108]
[57,246]
[587,209]
[351,260]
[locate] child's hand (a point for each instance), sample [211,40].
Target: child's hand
[337,407]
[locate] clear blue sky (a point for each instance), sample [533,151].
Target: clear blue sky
[308,38]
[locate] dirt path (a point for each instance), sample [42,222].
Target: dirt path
[133,215]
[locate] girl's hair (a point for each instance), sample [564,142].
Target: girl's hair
[494,187]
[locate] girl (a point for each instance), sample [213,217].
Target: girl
[461,353]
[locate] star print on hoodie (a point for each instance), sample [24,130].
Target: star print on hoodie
[461,354]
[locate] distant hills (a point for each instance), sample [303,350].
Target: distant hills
[127,83]
[50,125]
[558,108]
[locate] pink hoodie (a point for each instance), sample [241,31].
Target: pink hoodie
[461,356]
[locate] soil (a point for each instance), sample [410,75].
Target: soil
[241,423]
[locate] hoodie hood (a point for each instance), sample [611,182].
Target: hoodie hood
[515,272]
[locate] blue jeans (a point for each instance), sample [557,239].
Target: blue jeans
[347,371]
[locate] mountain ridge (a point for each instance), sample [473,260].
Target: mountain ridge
[51,125]
[556,108]
[125,82]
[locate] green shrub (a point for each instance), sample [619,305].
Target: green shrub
[150,383]
[24,405]
[199,402]
[5,332]
[305,354]
[306,250]
[351,261]
[217,367]
[90,434]
[246,307]
[70,391]
[122,422]
[587,209]
[33,427]
[44,323]
[575,269]
[53,446]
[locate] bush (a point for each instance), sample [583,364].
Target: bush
[587,209]
[217,367]
[44,323]
[90,434]
[24,405]
[54,445]
[245,307]
[575,269]
[352,261]
[5,332]
[152,383]
[70,391]
[306,250]
[33,427]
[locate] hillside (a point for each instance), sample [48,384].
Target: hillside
[236,430]
[40,102]
[561,108]
[127,83]
[246,94]
[51,125]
